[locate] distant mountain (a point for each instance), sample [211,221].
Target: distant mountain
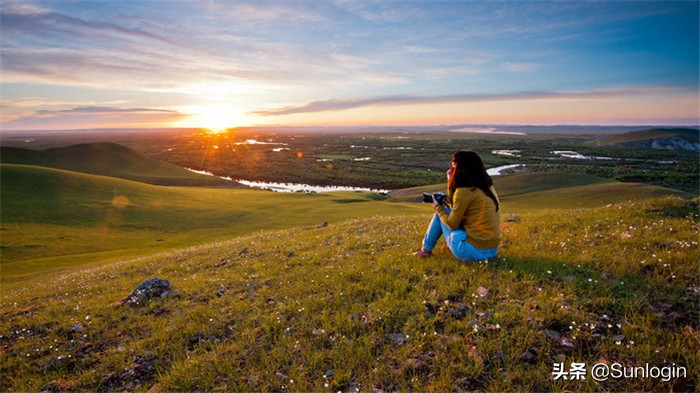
[110,159]
[656,138]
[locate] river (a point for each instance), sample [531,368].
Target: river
[299,187]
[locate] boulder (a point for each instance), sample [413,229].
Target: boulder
[148,290]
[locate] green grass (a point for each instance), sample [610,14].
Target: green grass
[110,159]
[57,219]
[548,190]
[320,309]
[276,302]
[588,196]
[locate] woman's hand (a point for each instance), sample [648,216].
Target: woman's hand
[449,174]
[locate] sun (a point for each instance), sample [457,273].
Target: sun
[217,118]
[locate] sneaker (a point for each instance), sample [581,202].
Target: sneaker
[421,253]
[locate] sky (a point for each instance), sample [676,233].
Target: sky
[216,64]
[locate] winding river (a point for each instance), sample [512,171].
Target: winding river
[299,187]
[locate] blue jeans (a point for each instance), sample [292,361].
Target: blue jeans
[456,241]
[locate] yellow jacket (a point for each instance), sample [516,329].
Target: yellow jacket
[475,212]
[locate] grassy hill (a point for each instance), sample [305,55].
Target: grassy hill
[345,307]
[53,218]
[56,219]
[689,135]
[110,159]
[553,190]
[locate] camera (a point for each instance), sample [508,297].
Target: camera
[440,197]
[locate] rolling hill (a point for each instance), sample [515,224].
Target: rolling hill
[111,159]
[656,138]
[54,218]
[529,190]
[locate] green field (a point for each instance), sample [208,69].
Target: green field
[346,306]
[319,292]
[54,218]
[110,159]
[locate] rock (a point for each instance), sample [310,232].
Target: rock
[482,292]
[456,314]
[58,363]
[147,290]
[143,368]
[397,338]
[75,330]
[618,338]
[329,374]
[485,315]
[243,251]
[565,342]
[529,356]
[512,218]
[222,262]
[291,254]
[474,324]
[553,334]
[322,225]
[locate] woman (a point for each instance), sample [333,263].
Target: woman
[471,226]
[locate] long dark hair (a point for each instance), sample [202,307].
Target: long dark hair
[470,172]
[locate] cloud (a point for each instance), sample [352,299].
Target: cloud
[346,104]
[92,117]
[520,67]
[52,22]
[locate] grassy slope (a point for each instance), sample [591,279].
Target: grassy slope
[319,310]
[550,190]
[507,185]
[110,159]
[652,133]
[54,218]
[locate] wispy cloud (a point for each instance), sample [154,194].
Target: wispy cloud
[345,104]
[43,22]
[92,116]
[520,67]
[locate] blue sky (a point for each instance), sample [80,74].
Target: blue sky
[103,64]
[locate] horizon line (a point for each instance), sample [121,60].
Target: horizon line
[339,127]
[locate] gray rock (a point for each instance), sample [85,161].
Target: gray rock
[147,290]
[565,342]
[58,363]
[529,356]
[397,338]
[482,292]
[553,334]
[474,324]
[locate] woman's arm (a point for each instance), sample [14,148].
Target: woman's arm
[460,202]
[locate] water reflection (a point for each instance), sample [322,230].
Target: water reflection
[292,187]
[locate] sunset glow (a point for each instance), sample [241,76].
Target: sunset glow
[215,118]
[66,65]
